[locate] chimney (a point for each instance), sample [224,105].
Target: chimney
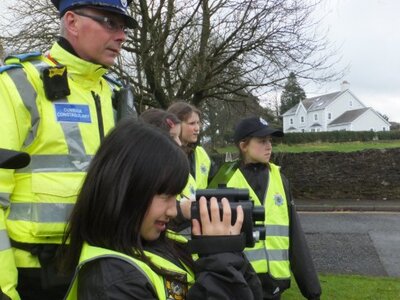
[345,85]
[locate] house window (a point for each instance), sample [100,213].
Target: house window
[302,119]
[329,116]
[312,130]
[351,103]
[383,128]
[291,121]
[316,117]
[303,130]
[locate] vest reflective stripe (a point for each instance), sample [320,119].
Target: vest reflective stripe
[28,96]
[4,200]
[57,163]
[271,255]
[4,240]
[203,165]
[40,212]
[90,253]
[276,230]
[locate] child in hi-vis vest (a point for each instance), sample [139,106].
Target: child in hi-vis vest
[284,251]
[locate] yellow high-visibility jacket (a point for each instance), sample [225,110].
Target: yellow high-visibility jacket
[272,254]
[203,165]
[159,284]
[61,136]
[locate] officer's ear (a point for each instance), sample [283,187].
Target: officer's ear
[71,23]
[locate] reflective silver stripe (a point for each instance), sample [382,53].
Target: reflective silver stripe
[261,254]
[4,240]
[278,255]
[28,95]
[57,163]
[4,200]
[40,212]
[276,230]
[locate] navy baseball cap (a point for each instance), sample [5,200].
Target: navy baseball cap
[254,127]
[116,6]
[10,159]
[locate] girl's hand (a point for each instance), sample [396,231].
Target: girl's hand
[213,223]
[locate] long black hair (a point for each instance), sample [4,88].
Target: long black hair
[134,163]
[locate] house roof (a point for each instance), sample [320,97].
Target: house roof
[349,116]
[320,102]
[316,125]
[291,111]
[315,103]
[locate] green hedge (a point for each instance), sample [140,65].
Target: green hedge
[338,136]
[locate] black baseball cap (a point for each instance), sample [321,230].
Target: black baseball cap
[10,159]
[254,127]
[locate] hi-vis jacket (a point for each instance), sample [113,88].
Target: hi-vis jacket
[61,136]
[272,255]
[162,288]
[199,180]
[285,249]
[221,272]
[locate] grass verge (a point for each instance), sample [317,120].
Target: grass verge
[340,147]
[352,287]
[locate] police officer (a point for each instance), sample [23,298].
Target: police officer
[56,107]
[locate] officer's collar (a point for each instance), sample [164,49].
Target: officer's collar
[76,66]
[64,43]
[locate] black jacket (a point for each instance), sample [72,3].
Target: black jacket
[226,275]
[301,263]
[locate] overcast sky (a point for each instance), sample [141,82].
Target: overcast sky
[367,32]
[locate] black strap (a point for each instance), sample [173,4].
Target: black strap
[217,244]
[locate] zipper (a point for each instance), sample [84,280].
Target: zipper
[99,115]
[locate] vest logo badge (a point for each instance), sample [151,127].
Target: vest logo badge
[203,169]
[278,200]
[72,113]
[175,290]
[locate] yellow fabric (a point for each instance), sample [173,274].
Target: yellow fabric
[203,165]
[46,139]
[190,189]
[90,253]
[8,273]
[274,215]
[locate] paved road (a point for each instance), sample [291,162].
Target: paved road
[363,243]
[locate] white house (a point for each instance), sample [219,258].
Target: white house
[335,111]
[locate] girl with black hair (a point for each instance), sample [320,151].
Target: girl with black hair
[118,236]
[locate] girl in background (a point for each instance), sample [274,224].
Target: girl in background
[285,248]
[200,163]
[166,121]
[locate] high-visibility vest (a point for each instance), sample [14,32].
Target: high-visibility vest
[190,189]
[163,288]
[272,254]
[61,136]
[203,165]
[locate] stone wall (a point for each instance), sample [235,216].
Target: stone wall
[364,175]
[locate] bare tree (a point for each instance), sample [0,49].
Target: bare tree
[200,50]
